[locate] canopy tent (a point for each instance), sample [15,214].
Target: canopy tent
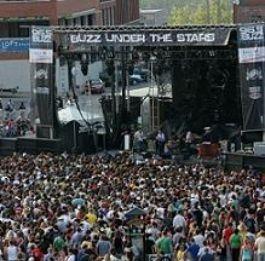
[134,213]
[71,113]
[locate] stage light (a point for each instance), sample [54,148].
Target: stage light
[146,57]
[62,60]
[135,56]
[84,64]
[211,53]
[110,66]
[130,67]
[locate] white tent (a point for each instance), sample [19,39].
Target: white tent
[71,113]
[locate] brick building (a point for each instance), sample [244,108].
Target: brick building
[248,11]
[16,17]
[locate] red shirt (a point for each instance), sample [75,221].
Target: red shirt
[227,232]
[37,253]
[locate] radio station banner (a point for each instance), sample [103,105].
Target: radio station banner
[251,53]
[41,59]
[14,45]
[172,37]
[40,56]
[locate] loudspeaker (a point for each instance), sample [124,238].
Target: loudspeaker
[44,132]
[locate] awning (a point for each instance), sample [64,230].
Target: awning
[71,113]
[79,14]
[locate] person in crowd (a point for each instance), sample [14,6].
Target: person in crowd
[207,136]
[235,244]
[139,140]
[160,142]
[9,106]
[164,244]
[260,245]
[22,106]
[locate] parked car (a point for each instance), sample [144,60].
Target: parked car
[135,79]
[9,90]
[144,73]
[97,86]
[105,78]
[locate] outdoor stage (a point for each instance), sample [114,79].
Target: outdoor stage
[236,161]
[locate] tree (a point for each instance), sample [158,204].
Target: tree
[164,4]
[204,12]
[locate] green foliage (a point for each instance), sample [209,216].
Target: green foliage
[220,12]
[165,4]
[193,11]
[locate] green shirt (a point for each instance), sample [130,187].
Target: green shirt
[58,244]
[164,245]
[235,241]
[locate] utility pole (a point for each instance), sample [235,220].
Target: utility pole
[124,82]
[113,92]
[208,11]
[219,13]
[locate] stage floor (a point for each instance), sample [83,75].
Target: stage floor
[241,160]
[30,145]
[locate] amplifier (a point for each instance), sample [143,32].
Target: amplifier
[259,148]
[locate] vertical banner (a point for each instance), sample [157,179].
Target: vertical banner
[251,53]
[41,59]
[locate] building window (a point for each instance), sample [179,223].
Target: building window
[3,30]
[62,21]
[103,16]
[90,20]
[19,28]
[113,15]
[110,16]
[107,16]
[83,20]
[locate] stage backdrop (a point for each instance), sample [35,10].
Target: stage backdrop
[252,65]
[41,59]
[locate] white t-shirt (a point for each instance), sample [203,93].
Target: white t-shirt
[71,258]
[199,240]
[202,251]
[179,221]
[12,253]
[260,244]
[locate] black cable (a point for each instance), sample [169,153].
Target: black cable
[89,125]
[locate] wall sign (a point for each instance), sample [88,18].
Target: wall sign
[14,45]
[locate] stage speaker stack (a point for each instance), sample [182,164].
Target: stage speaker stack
[44,132]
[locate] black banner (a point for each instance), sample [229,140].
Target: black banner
[167,37]
[251,42]
[41,59]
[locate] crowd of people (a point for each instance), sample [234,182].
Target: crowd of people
[14,121]
[74,208]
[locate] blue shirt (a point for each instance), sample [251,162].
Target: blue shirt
[193,249]
[207,257]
